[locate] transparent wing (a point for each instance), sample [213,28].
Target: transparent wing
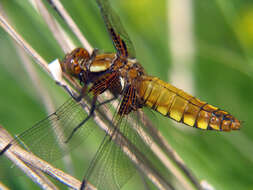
[111,168]
[48,138]
[120,38]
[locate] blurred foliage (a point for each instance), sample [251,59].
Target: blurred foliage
[222,73]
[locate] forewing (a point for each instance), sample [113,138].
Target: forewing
[120,38]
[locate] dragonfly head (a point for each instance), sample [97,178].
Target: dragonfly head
[74,62]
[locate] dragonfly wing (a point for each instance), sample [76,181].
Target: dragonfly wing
[47,139]
[120,38]
[111,168]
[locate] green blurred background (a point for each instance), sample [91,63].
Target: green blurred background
[221,74]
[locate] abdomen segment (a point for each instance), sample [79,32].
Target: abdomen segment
[182,107]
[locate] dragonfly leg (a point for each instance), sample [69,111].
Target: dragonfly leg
[83,185]
[5,149]
[93,106]
[75,97]
[107,101]
[82,94]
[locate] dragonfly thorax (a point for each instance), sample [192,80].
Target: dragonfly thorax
[130,70]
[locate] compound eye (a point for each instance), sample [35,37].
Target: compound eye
[74,67]
[77,69]
[83,54]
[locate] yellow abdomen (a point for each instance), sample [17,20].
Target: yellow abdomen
[182,107]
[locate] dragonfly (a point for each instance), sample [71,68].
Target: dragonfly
[125,78]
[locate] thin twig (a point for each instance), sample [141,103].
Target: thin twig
[182,48]
[5,138]
[3,187]
[11,31]
[29,162]
[72,25]
[171,153]
[53,26]
[181,43]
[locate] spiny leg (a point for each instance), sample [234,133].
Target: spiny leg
[82,94]
[76,98]
[5,149]
[93,107]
